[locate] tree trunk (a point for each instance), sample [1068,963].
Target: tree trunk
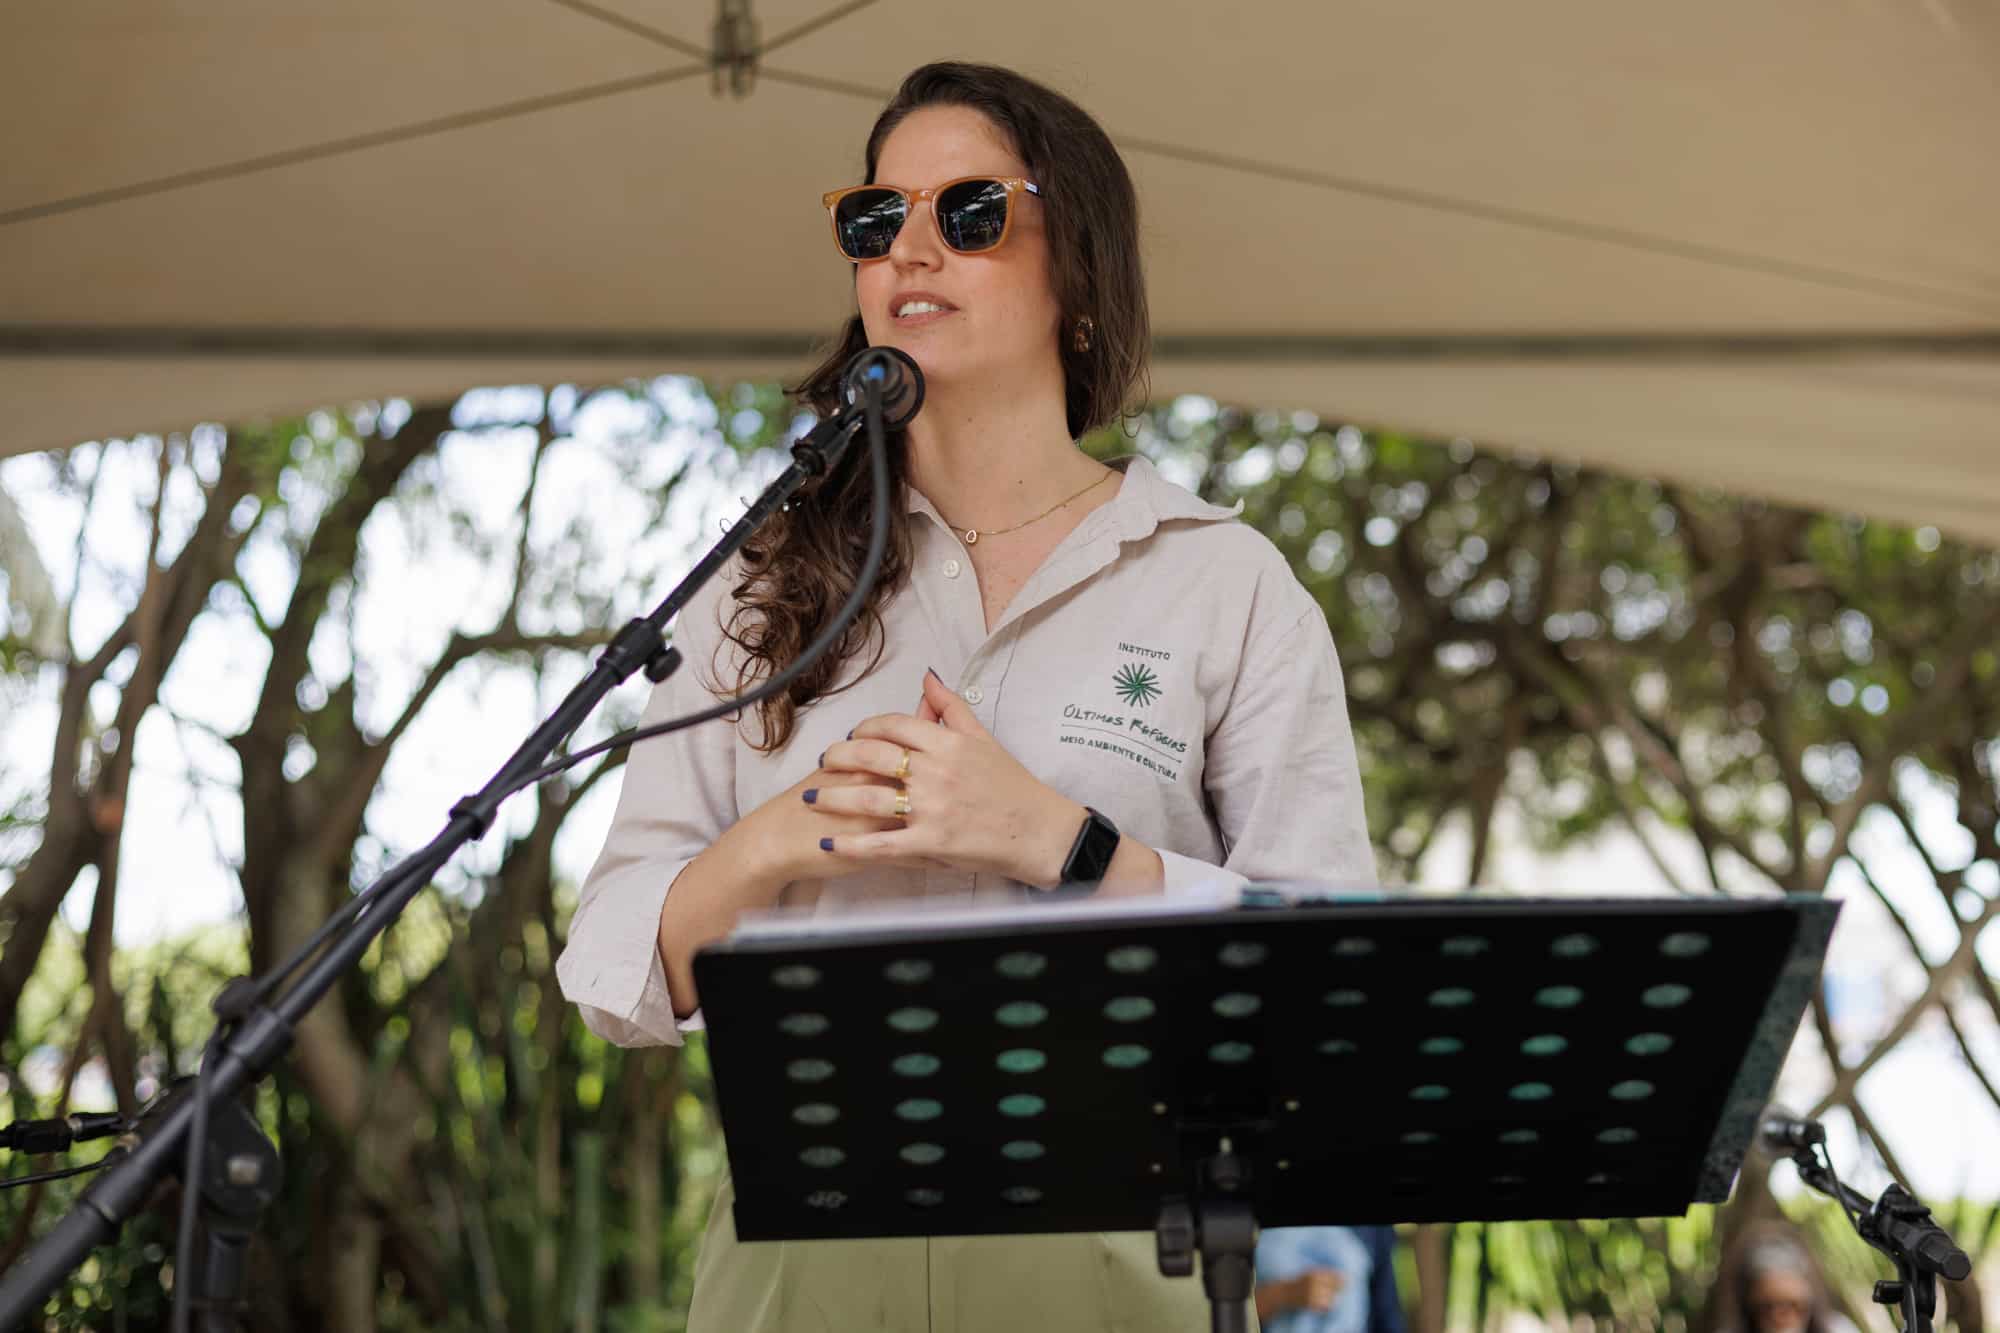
[353,1264]
[1433,1253]
[71,832]
[640,1150]
[1964,1305]
[1751,1202]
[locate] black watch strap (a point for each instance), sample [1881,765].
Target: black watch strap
[1090,855]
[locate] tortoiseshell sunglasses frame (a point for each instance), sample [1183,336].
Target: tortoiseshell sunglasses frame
[1015,185]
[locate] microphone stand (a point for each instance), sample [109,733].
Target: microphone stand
[241,1178]
[1901,1228]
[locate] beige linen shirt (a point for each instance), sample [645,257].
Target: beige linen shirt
[1163,665]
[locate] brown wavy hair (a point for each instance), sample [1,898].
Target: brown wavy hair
[801,565]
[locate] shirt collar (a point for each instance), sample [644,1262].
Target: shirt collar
[1145,499]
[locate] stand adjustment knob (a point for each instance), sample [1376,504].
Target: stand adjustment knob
[1174,1233]
[1888,1292]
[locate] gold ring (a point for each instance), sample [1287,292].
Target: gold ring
[902,805]
[903,767]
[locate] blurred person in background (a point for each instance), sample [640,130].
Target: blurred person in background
[1772,1283]
[1328,1280]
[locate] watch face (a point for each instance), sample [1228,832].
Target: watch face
[1094,851]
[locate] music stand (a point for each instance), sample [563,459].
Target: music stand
[1287,1061]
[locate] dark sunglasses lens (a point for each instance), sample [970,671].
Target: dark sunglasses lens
[973,215]
[867,222]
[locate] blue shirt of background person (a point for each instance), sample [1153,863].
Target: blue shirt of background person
[1362,1268]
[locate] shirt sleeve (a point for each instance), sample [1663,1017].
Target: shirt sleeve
[678,795]
[1280,768]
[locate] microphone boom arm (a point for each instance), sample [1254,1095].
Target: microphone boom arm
[1900,1227]
[254,1031]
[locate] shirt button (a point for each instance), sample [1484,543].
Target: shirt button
[951,569]
[974,695]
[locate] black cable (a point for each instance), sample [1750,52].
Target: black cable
[1854,1215]
[871,566]
[12,1181]
[191,1164]
[260,989]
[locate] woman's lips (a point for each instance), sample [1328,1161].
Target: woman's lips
[919,297]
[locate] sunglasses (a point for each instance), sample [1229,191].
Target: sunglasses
[973,214]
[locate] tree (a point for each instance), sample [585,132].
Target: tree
[1760,697]
[446,1090]
[1758,693]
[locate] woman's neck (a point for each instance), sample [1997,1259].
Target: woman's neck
[995,462]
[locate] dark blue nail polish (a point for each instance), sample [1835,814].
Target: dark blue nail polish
[850,735]
[822,758]
[826,844]
[934,675]
[811,795]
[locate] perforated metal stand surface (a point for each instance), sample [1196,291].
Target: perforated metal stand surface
[1422,1059]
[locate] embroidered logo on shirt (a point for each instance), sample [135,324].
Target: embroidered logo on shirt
[1136,684]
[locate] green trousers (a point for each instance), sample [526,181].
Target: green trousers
[950,1284]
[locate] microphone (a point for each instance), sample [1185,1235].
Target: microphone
[40,1136]
[1935,1251]
[1783,1133]
[902,389]
[901,382]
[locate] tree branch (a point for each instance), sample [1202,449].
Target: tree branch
[1602,763]
[344,819]
[1962,960]
[544,436]
[69,834]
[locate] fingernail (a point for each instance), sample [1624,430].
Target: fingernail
[811,795]
[934,675]
[822,758]
[850,735]
[826,844]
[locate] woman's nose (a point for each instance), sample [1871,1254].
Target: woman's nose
[916,244]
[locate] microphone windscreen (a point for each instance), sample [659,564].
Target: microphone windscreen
[902,383]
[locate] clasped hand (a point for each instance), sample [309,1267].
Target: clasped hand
[971,806]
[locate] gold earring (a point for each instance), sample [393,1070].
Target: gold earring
[1084,328]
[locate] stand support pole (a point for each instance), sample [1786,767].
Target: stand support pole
[1222,1226]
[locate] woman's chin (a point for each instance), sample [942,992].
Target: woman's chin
[940,362]
[946,360]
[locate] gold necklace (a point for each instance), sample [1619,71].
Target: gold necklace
[972,535]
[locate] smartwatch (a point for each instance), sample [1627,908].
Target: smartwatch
[1090,855]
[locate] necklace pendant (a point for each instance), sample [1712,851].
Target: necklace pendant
[972,536]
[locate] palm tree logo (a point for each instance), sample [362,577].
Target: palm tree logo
[1136,684]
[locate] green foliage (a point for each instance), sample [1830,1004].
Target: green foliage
[1651,1273]
[1602,651]
[1722,666]
[506,1169]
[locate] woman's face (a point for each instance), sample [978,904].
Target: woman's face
[999,316]
[1780,1302]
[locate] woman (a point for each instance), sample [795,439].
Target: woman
[1068,673]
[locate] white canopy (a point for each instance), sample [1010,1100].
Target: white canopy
[1749,245]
